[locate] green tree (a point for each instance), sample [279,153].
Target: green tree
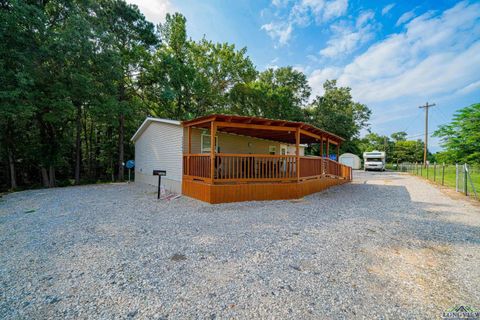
[187,79]
[276,93]
[336,112]
[461,137]
[131,37]
[407,151]
[399,136]
[18,53]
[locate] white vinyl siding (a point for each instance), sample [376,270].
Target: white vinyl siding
[160,147]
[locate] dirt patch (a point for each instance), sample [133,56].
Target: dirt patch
[422,272]
[178,257]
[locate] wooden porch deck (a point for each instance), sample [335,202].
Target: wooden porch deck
[246,177]
[226,177]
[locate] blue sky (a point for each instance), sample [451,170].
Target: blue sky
[395,55]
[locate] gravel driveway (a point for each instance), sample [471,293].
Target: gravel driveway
[385,246]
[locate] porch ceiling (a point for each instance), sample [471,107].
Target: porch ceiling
[270,129]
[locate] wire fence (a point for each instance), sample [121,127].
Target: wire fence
[464,178]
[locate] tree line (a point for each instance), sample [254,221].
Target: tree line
[79,77]
[460,141]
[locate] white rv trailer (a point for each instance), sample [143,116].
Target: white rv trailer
[374,160]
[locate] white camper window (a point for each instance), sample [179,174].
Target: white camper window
[205,143]
[272,149]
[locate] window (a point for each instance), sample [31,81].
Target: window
[272,149]
[205,141]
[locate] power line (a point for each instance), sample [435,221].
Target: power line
[419,134]
[412,122]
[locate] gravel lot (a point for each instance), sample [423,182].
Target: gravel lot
[385,246]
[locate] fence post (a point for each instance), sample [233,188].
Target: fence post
[471,182]
[434,171]
[421,170]
[456,177]
[465,181]
[428,164]
[443,174]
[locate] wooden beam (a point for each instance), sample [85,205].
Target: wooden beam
[328,148]
[189,148]
[310,134]
[297,151]
[321,146]
[334,142]
[213,132]
[253,126]
[200,121]
[338,152]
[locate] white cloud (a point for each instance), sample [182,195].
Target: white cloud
[364,18]
[469,88]
[334,9]
[154,10]
[346,39]
[318,77]
[280,31]
[279,3]
[434,55]
[407,16]
[305,11]
[302,14]
[387,8]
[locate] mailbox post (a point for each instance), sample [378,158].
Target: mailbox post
[130,164]
[159,173]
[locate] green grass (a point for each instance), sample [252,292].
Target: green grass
[446,176]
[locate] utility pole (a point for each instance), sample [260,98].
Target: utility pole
[426,107]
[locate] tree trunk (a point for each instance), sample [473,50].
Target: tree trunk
[121,134]
[78,145]
[45,180]
[11,165]
[52,176]
[91,149]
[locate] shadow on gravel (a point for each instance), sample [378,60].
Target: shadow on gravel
[417,218]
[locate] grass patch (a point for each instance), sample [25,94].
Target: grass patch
[446,176]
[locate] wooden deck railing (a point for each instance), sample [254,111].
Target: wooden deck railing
[310,166]
[261,167]
[334,168]
[197,165]
[249,167]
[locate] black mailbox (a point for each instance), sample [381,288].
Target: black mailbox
[160,174]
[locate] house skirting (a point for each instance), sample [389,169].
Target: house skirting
[169,184]
[221,193]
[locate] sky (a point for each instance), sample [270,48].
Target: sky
[395,55]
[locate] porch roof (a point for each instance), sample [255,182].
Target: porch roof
[270,129]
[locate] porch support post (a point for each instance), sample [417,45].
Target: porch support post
[321,155]
[297,151]
[189,148]
[328,148]
[338,152]
[213,132]
[321,146]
